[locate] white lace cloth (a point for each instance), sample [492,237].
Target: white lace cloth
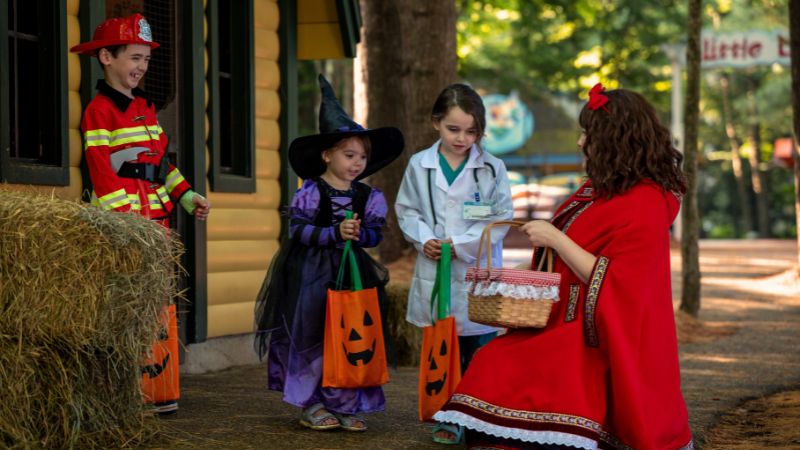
[519,291]
[542,437]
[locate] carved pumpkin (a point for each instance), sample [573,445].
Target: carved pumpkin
[440,369]
[353,354]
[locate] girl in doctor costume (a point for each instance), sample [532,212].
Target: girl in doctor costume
[450,192]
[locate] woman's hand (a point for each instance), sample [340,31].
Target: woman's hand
[350,229]
[542,233]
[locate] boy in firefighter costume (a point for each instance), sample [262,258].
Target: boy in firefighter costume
[125,150]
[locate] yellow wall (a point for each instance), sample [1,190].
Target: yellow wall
[74,109]
[318,33]
[243,229]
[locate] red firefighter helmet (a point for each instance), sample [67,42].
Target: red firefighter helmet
[118,31]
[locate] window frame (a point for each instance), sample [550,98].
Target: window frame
[243,178]
[54,38]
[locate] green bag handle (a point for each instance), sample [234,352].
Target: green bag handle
[349,256]
[441,287]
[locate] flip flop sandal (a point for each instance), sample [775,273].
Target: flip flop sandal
[348,422]
[309,420]
[456,430]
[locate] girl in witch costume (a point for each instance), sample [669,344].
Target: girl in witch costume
[604,371]
[290,311]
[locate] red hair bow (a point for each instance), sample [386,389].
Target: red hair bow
[596,98]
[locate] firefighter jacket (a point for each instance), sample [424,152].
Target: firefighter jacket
[125,149]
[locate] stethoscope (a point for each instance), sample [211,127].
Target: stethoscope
[438,229]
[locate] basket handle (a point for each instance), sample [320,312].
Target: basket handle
[486,242]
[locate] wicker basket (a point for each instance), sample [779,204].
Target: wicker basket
[510,298]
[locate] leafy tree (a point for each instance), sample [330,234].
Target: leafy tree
[566,46]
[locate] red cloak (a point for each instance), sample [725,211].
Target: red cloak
[604,372]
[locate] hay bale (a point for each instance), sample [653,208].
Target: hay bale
[80,273]
[61,397]
[406,337]
[80,290]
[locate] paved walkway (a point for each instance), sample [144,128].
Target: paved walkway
[740,291]
[756,311]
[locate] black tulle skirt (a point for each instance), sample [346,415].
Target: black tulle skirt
[290,320]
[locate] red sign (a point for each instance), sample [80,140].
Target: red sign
[783,151]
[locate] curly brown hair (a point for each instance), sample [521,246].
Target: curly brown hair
[625,143]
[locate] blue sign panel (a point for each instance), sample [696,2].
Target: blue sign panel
[509,123]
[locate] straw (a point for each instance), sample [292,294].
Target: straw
[80,294]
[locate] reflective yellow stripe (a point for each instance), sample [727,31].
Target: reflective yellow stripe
[114,199]
[137,129]
[97,143]
[131,138]
[173,180]
[155,201]
[162,194]
[122,136]
[97,132]
[95,138]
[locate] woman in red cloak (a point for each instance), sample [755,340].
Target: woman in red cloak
[604,371]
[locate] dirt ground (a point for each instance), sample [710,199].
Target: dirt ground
[771,422]
[740,370]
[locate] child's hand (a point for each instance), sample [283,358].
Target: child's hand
[203,207]
[433,249]
[452,248]
[350,229]
[357,230]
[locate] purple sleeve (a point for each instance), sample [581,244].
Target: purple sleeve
[302,211]
[374,219]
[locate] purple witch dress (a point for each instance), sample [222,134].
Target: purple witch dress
[290,311]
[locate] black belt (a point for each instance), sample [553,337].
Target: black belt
[142,171]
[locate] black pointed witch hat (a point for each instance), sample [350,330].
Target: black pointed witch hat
[334,125]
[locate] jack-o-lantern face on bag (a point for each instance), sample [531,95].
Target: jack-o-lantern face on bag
[439,366]
[353,355]
[357,344]
[439,377]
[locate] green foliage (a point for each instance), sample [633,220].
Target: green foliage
[721,207]
[567,46]
[550,49]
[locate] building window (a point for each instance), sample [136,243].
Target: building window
[231,106]
[34,148]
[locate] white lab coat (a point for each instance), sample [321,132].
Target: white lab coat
[415,217]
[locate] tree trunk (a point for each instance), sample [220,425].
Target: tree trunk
[690,290]
[736,156]
[758,177]
[794,46]
[410,49]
